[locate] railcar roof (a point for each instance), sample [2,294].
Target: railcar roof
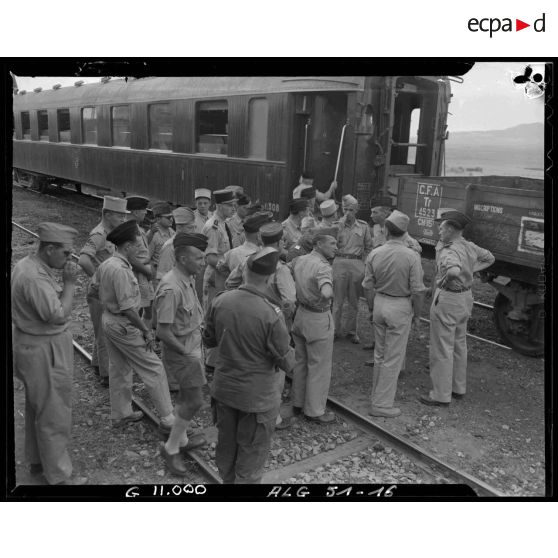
[169,88]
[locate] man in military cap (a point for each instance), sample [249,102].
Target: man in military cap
[313,329]
[180,318]
[43,352]
[129,341]
[253,344]
[242,203]
[219,242]
[328,211]
[393,285]
[163,218]
[457,260]
[307,180]
[202,213]
[354,242]
[95,251]
[298,209]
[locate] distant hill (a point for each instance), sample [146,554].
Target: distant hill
[528,135]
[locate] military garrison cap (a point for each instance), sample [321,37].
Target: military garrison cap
[118,205]
[60,234]
[328,208]
[183,215]
[161,208]
[263,262]
[308,193]
[252,223]
[455,218]
[223,196]
[136,202]
[271,233]
[298,205]
[237,190]
[399,220]
[125,232]
[190,239]
[349,201]
[202,193]
[242,199]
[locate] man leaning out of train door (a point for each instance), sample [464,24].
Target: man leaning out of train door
[180,318]
[306,181]
[393,285]
[95,251]
[457,260]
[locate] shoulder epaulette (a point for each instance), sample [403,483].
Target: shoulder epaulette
[274,306]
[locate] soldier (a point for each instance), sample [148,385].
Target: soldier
[328,211]
[129,341]
[354,242]
[180,318]
[309,194]
[298,209]
[202,213]
[307,180]
[184,219]
[313,330]
[95,251]
[43,352]
[253,342]
[452,302]
[163,218]
[394,288]
[303,245]
[219,242]
[242,203]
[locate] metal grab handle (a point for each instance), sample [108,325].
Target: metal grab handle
[339,152]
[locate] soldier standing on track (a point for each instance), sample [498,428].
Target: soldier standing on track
[129,340]
[298,209]
[252,342]
[180,318]
[457,260]
[202,213]
[393,286]
[313,330]
[354,242]
[43,351]
[95,251]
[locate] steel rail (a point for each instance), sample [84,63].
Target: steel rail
[138,402]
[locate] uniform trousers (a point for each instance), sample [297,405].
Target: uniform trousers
[199,284]
[313,337]
[449,314]
[213,283]
[347,283]
[99,354]
[45,365]
[392,324]
[243,442]
[127,352]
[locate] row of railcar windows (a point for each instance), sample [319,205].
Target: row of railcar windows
[211,133]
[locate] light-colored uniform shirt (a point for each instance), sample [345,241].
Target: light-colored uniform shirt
[463,254]
[393,269]
[233,258]
[166,258]
[237,230]
[36,298]
[200,220]
[311,273]
[327,223]
[177,303]
[143,257]
[97,247]
[291,232]
[379,238]
[159,238]
[117,284]
[217,237]
[354,240]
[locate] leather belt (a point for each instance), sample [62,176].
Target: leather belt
[312,309]
[348,256]
[394,296]
[463,290]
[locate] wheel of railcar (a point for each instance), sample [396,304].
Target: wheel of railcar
[524,336]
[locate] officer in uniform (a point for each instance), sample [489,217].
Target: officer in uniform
[457,260]
[180,318]
[328,211]
[354,242]
[184,220]
[241,203]
[43,352]
[393,285]
[129,341]
[298,209]
[313,330]
[253,343]
[202,213]
[95,251]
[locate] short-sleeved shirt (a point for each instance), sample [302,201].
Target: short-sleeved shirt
[291,233]
[97,247]
[379,238]
[160,236]
[233,258]
[144,282]
[177,303]
[36,298]
[355,239]
[218,242]
[237,230]
[393,269]
[311,273]
[117,284]
[200,220]
[166,258]
[463,254]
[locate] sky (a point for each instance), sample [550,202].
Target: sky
[486,100]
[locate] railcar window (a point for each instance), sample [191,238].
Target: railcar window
[160,126]
[89,125]
[43,124]
[26,125]
[120,121]
[63,125]
[413,138]
[213,127]
[257,128]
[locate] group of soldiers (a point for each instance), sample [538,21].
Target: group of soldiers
[240,299]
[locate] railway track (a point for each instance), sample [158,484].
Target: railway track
[417,454]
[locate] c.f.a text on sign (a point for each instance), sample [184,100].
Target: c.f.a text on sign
[429,199]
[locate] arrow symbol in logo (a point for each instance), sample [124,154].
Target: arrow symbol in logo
[519,25]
